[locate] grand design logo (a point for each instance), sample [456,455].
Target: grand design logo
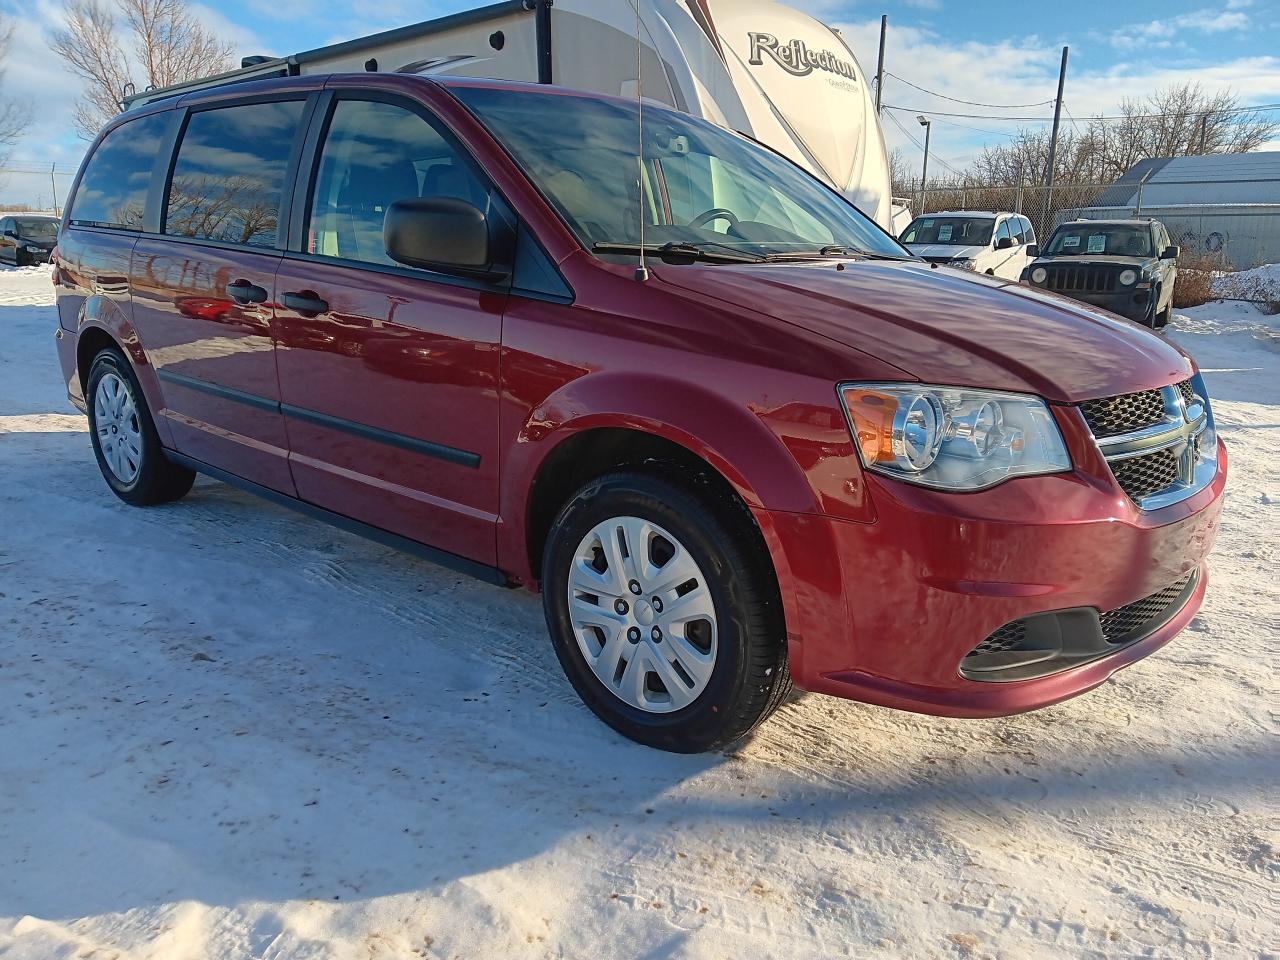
[796,58]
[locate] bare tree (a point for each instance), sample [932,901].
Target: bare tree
[164,43]
[14,116]
[1176,121]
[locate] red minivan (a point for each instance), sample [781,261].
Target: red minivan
[783,451]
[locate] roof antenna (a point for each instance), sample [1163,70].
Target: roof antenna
[642,271]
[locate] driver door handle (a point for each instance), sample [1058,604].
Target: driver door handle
[243,292]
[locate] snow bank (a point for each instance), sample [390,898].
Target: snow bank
[229,732]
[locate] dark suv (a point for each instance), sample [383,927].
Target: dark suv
[26,240]
[784,449]
[1126,266]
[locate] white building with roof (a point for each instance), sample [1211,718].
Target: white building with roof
[1225,203]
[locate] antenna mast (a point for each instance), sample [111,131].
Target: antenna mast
[642,271]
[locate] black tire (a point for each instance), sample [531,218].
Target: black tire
[1165,315]
[750,676]
[158,479]
[18,259]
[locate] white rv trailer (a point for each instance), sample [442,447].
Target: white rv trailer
[755,66]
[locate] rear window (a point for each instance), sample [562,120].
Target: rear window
[230,173]
[113,190]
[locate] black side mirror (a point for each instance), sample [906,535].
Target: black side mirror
[11,233]
[1004,243]
[1171,253]
[449,236]
[1033,250]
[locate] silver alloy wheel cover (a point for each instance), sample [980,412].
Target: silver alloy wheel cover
[119,432]
[666,668]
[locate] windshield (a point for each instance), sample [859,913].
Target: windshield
[703,186]
[37,229]
[1100,239]
[952,231]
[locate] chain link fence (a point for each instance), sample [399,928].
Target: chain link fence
[35,186]
[1034,202]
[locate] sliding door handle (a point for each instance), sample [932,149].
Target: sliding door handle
[306,303]
[244,292]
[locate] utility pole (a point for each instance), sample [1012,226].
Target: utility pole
[884,29]
[924,173]
[1204,127]
[53,178]
[1053,146]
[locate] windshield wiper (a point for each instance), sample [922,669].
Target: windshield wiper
[681,253]
[833,251]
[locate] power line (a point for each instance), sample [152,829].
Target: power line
[907,133]
[1260,108]
[972,103]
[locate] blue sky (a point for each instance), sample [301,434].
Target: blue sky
[994,51]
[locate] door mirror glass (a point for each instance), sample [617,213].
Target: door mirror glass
[449,236]
[1004,243]
[1033,250]
[1170,253]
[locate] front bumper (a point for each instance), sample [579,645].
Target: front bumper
[1130,302]
[885,612]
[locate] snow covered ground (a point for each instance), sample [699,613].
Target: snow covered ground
[227,731]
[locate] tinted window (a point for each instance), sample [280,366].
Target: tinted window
[375,154]
[1103,239]
[230,173]
[1015,224]
[35,228]
[1028,231]
[957,231]
[113,190]
[1003,232]
[695,183]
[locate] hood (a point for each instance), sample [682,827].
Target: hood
[950,328]
[1095,259]
[949,250]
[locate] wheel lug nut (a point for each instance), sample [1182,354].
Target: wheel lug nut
[634,587]
[657,604]
[657,634]
[634,634]
[621,606]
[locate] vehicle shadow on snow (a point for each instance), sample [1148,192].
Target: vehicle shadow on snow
[223,701]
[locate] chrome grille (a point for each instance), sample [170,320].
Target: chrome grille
[1159,443]
[1112,416]
[1118,624]
[1140,477]
[1081,279]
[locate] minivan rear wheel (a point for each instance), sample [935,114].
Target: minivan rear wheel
[124,436]
[664,611]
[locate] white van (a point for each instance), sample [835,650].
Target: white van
[992,243]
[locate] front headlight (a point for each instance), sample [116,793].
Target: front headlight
[32,248]
[964,263]
[1039,275]
[952,438]
[1128,278]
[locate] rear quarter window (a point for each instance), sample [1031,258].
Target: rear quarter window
[113,190]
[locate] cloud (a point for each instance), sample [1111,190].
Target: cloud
[1181,30]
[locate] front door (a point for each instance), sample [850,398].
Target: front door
[203,293]
[389,375]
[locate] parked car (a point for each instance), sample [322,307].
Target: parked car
[25,240]
[1126,266]
[992,243]
[780,450]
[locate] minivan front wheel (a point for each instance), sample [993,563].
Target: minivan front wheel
[124,436]
[664,612]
